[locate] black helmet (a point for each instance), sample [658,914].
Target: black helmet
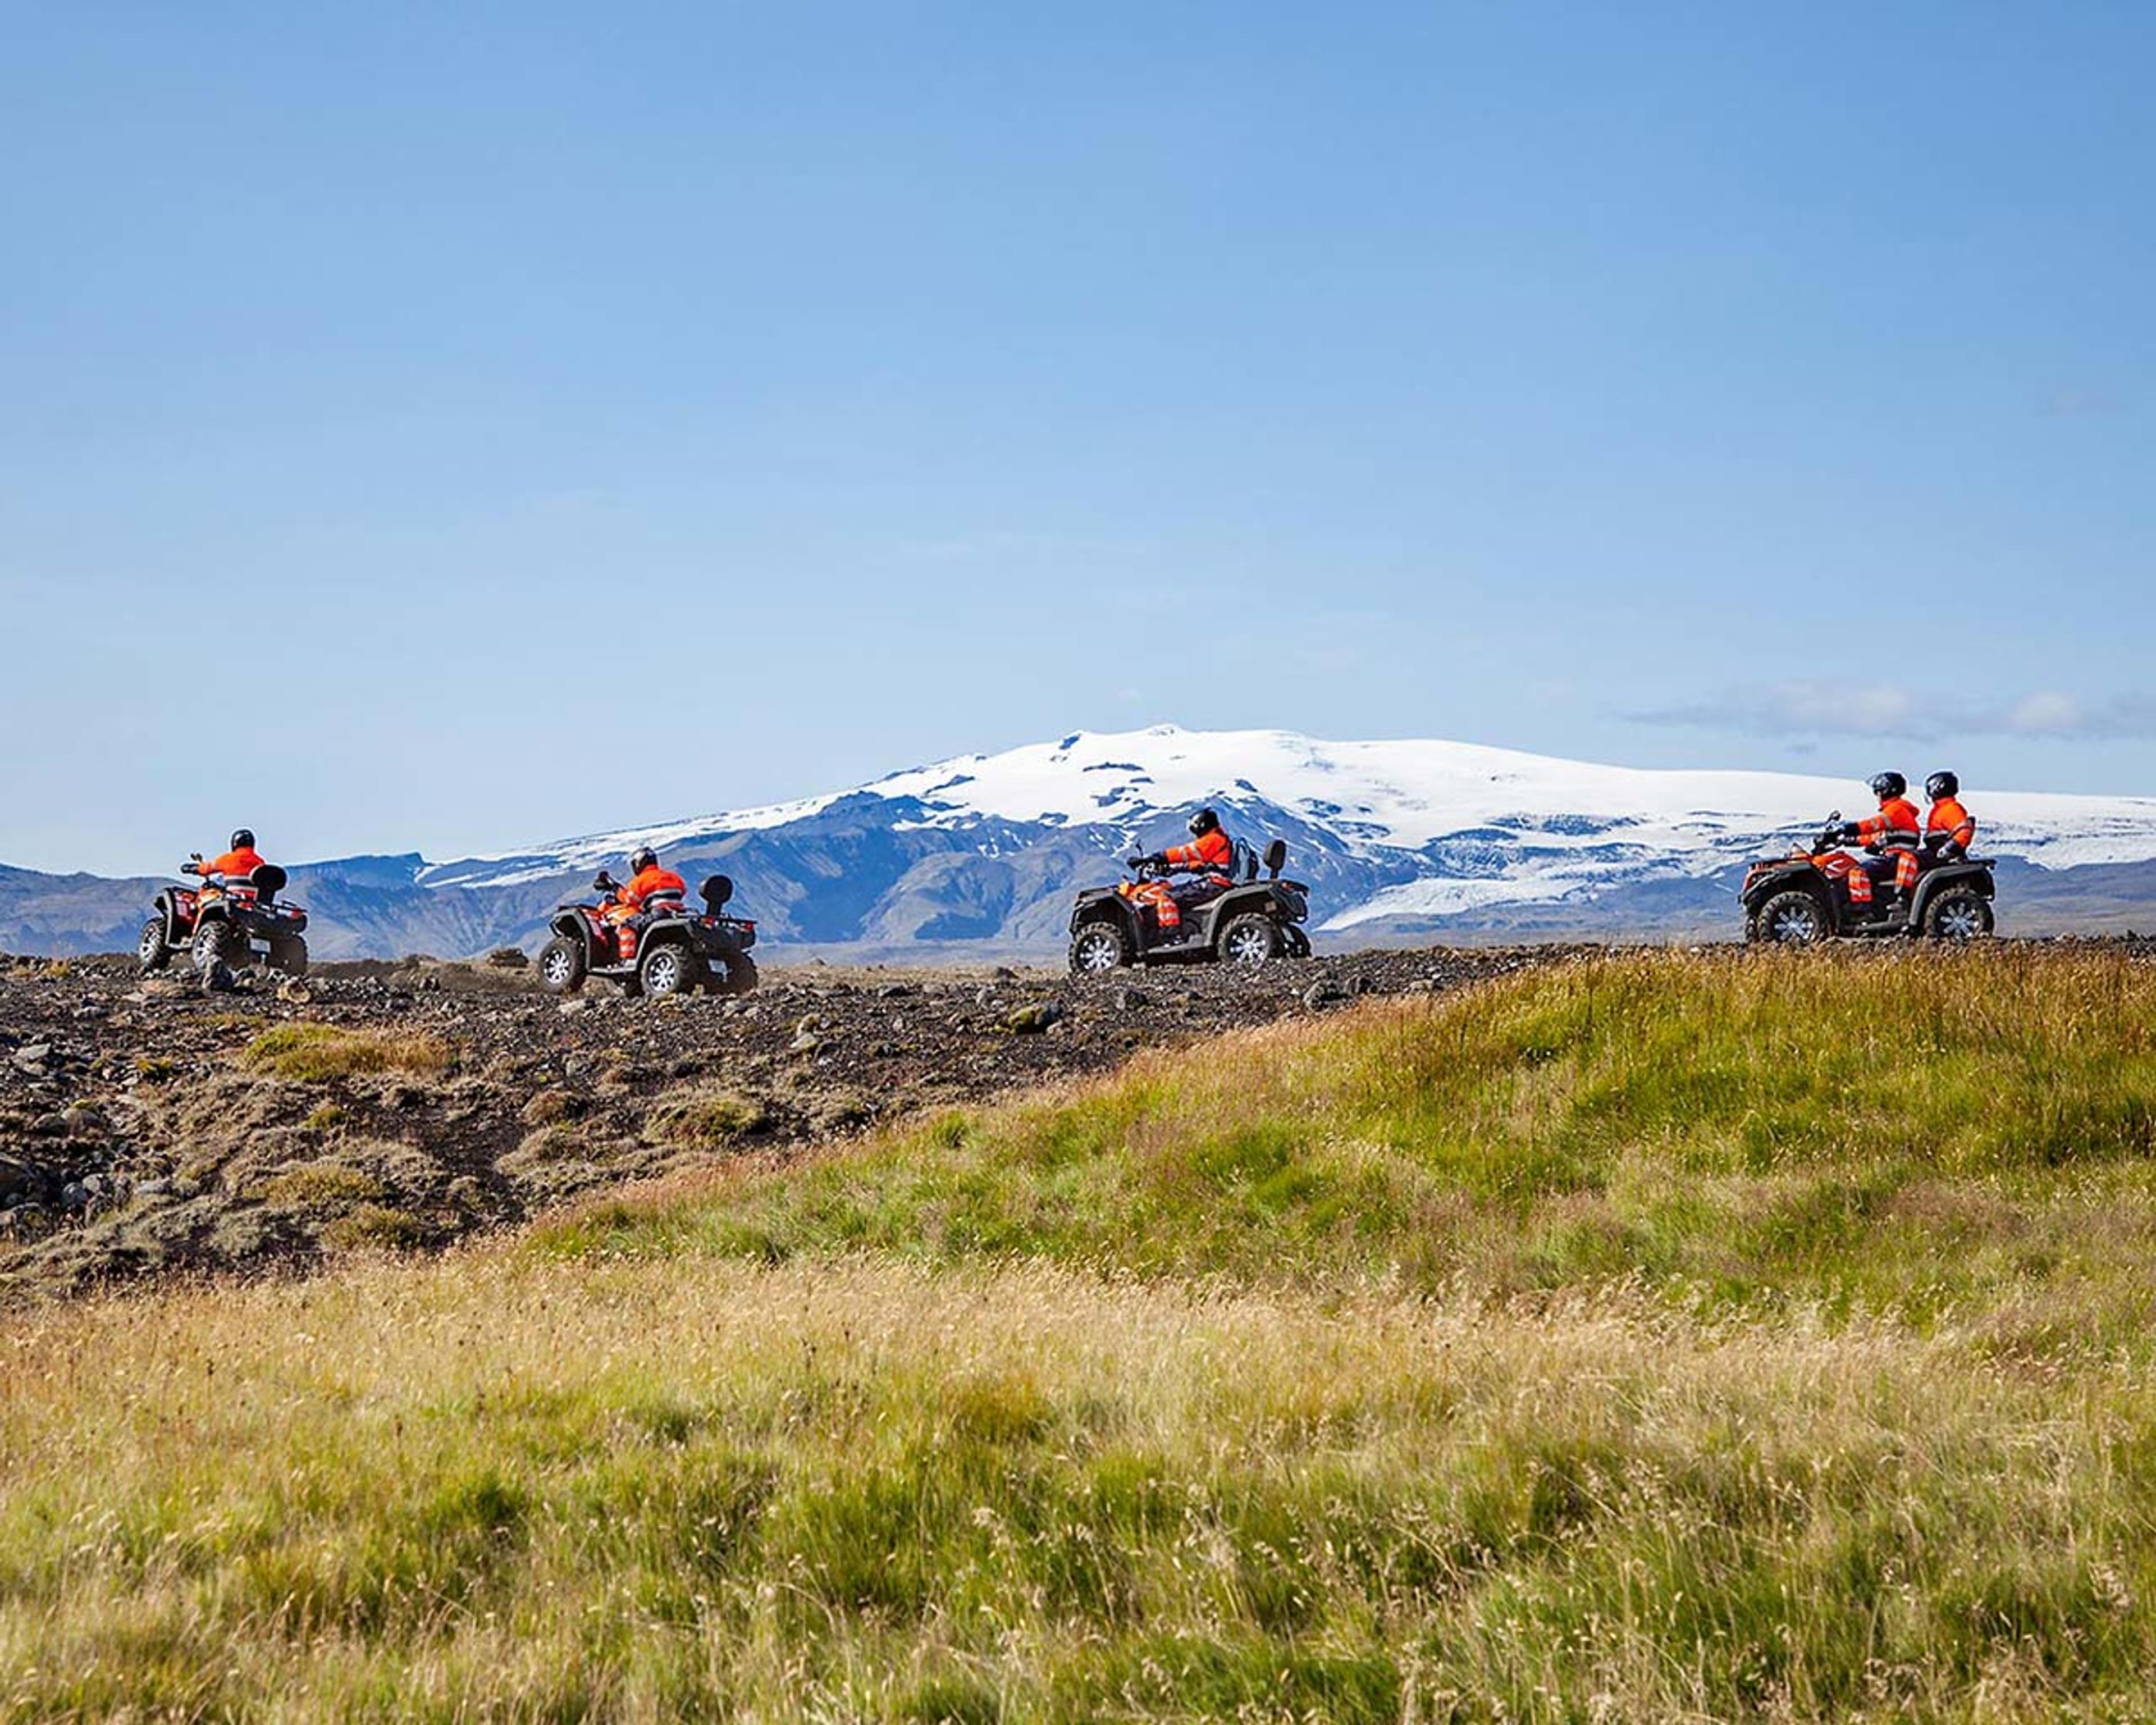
[1204,822]
[1889,784]
[242,839]
[1942,785]
[645,857]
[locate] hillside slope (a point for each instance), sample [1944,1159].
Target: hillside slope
[1647,1338]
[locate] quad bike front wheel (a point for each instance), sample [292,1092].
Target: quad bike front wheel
[151,952]
[216,944]
[670,969]
[1791,919]
[1098,949]
[1249,941]
[1957,915]
[288,952]
[561,965]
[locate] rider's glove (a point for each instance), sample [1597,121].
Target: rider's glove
[1134,862]
[1850,831]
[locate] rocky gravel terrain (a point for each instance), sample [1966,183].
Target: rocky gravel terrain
[148,1130]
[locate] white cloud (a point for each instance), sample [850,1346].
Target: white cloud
[2047,713]
[1816,709]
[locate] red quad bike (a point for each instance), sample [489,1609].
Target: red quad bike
[225,921]
[1803,898]
[676,950]
[1250,923]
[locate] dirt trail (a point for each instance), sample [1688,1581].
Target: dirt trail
[148,1130]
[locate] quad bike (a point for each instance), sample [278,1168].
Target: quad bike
[1803,898]
[223,922]
[1250,923]
[675,950]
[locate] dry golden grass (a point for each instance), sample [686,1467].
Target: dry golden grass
[504,1487]
[704,1116]
[312,1052]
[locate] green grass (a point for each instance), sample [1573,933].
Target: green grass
[1905,1136]
[1659,1338]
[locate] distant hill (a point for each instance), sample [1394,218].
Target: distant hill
[1400,840]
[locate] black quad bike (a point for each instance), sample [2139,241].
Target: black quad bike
[1250,923]
[225,922]
[1803,898]
[677,950]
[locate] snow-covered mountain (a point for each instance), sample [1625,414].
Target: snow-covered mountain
[1399,839]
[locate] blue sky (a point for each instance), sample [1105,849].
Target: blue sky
[435,427]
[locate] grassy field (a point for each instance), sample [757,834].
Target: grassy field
[1658,1339]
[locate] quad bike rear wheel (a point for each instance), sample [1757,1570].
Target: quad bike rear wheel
[735,974]
[1249,941]
[1098,949]
[1298,943]
[561,966]
[670,968]
[151,952]
[1957,915]
[1795,918]
[288,952]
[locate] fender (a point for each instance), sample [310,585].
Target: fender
[1108,906]
[1974,875]
[1799,871]
[168,906]
[675,925]
[570,925]
[1238,901]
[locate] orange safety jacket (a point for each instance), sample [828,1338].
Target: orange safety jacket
[1897,814]
[1947,816]
[236,864]
[651,880]
[1211,853]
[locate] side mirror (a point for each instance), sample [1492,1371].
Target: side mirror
[1276,858]
[715,891]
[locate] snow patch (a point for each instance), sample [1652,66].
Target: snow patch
[1538,828]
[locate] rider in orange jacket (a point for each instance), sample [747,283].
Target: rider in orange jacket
[236,864]
[1207,856]
[649,888]
[1949,829]
[1895,829]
